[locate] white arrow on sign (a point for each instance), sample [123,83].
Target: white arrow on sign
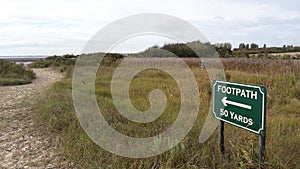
[225,102]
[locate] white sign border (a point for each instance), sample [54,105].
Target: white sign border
[245,85]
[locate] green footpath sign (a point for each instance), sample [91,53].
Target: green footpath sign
[241,105]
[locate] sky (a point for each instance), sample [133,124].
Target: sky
[48,27]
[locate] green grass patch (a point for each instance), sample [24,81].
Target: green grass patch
[14,74]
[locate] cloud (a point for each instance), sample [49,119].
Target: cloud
[58,27]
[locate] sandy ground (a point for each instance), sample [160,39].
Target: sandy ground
[282,54]
[23,144]
[286,53]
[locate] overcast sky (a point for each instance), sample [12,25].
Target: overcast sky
[59,27]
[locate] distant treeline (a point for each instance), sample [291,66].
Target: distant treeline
[188,50]
[224,50]
[182,50]
[248,50]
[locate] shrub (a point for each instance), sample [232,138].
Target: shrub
[13,74]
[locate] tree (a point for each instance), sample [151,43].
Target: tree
[242,46]
[223,49]
[228,45]
[253,46]
[247,47]
[265,46]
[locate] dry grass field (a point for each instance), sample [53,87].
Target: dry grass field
[281,78]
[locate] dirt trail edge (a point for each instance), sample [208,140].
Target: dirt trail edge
[22,143]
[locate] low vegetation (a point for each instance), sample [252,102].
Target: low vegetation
[14,74]
[63,63]
[281,77]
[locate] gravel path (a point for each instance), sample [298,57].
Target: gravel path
[23,144]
